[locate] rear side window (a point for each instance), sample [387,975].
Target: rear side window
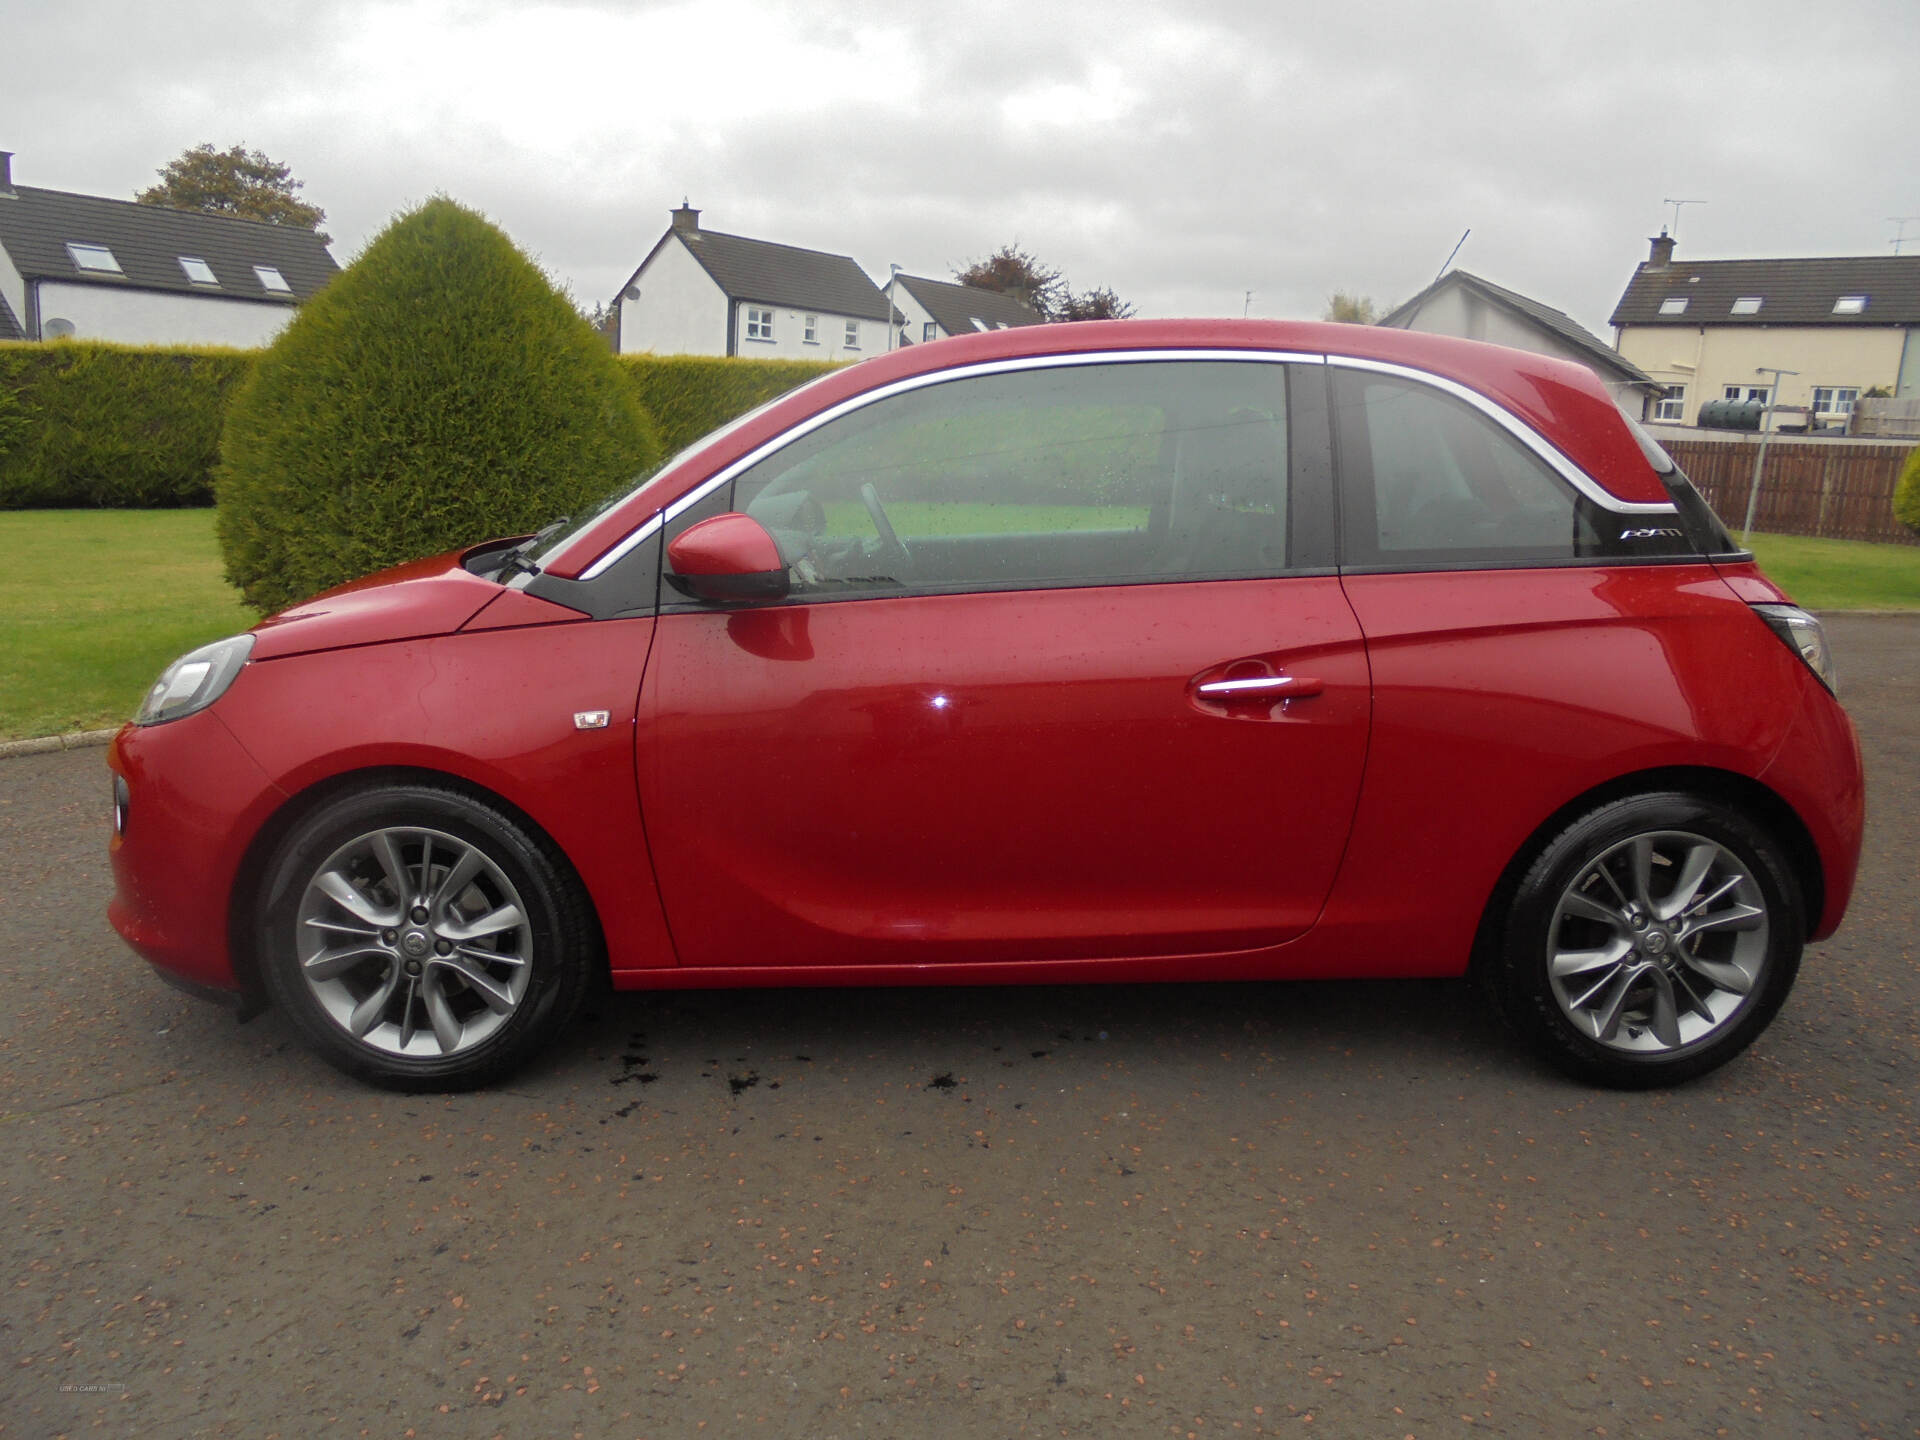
[1066,475]
[1430,483]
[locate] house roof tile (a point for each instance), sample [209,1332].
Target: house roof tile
[955,307]
[748,269]
[1791,292]
[36,226]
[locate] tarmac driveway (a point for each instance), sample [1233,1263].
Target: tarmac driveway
[1341,1209]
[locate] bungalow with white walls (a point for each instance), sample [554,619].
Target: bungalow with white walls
[1475,309]
[97,269]
[935,309]
[702,292]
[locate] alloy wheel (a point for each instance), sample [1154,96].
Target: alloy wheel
[414,942]
[1659,943]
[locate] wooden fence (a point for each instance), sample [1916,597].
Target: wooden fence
[1841,490]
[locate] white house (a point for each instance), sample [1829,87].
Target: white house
[99,269]
[701,292]
[1474,309]
[935,309]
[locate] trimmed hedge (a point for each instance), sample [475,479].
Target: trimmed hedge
[688,395]
[1906,492]
[87,425]
[438,391]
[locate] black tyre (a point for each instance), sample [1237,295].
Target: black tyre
[1650,941]
[422,940]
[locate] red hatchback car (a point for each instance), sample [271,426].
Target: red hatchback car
[1140,651]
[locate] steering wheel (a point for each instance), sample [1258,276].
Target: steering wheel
[889,537]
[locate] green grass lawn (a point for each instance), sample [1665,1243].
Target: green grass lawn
[1841,574]
[93,603]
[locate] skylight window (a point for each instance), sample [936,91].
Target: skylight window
[1674,305]
[978,323]
[197,270]
[272,279]
[1747,305]
[97,259]
[1850,305]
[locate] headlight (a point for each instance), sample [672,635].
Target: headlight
[1805,636]
[194,681]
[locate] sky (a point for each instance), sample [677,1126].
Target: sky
[1183,154]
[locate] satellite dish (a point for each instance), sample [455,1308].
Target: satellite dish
[632,292]
[56,329]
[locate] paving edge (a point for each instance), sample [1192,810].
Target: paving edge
[73,740]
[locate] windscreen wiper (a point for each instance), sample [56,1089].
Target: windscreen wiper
[515,562]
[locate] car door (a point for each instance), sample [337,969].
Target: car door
[1535,637]
[1065,673]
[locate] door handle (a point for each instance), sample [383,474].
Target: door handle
[1261,687]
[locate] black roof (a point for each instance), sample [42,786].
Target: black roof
[1791,292]
[955,307]
[782,274]
[148,240]
[1557,321]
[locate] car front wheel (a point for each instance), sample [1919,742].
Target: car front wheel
[1651,940]
[421,939]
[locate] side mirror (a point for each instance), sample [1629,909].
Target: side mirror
[727,557]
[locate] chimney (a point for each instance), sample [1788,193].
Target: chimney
[686,219]
[6,173]
[1661,254]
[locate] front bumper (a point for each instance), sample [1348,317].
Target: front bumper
[194,801]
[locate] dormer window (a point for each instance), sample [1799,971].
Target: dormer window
[272,279]
[1747,305]
[197,270]
[1850,305]
[1674,305]
[94,259]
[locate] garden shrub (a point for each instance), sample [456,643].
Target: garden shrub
[437,392]
[1906,492]
[85,424]
[688,395]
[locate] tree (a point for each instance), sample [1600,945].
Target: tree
[438,391]
[1906,494]
[1012,271]
[1350,309]
[1100,304]
[239,182]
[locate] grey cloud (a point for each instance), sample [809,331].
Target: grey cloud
[1287,149]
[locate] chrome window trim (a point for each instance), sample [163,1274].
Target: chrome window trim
[1538,444]
[1563,467]
[919,382]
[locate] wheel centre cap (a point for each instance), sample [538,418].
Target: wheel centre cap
[1656,942]
[415,942]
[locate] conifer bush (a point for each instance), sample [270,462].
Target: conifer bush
[438,391]
[1906,492]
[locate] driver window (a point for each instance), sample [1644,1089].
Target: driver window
[1058,475]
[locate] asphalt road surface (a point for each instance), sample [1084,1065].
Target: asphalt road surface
[1335,1209]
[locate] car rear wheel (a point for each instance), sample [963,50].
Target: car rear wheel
[1651,941]
[423,940]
